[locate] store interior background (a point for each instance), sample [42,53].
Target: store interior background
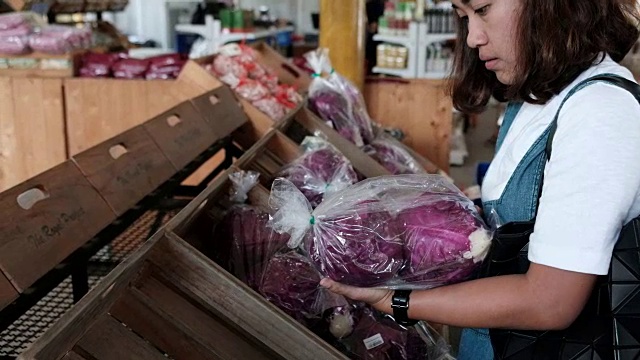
[155,21]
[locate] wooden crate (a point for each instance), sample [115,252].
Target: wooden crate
[7,292]
[421,108]
[45,220]
[167,298]
[287,72]
[125,168]
[32,137]
[98,109]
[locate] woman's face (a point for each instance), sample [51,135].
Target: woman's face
[493,28]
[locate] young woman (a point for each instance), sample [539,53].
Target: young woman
[537,55]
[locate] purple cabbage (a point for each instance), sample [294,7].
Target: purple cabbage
[243,243]
[292,283]
[334,108]
[438,239]
[362,248]
[380,338]
[391,157]
[317,171]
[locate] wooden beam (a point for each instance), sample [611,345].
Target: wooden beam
[342,31]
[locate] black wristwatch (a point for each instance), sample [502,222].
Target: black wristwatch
[400,306]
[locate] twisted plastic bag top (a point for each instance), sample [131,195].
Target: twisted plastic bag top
[329,102]
[321,171]
[242,182]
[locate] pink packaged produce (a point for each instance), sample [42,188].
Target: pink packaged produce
[271,107]
[13,20]
[130,68]
[99,65]
[163,61]
[14,45]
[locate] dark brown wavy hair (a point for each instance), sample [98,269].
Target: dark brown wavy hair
[557,40]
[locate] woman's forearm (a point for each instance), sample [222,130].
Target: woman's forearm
[513,301]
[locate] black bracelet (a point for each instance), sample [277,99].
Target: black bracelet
[400,306]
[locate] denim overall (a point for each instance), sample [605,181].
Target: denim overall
[518,202]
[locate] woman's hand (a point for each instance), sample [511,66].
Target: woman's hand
[380,299]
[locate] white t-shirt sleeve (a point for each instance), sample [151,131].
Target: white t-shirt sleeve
[591,182]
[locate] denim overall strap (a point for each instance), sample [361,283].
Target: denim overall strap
[509,116]
[518,202]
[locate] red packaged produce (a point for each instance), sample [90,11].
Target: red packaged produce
[130,68]
[270,106]
[161,61]
[251,90]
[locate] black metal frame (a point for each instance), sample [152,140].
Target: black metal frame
[162,199]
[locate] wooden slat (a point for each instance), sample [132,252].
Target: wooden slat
[221,110]
[170,322]
[108,339]
[421,109]
[126,180]
[72,355]
[181,133]
[32,137]
[65,333]
[343,25]
[7,292]
[287,72]
[34,241]
[220,293]
[360,161]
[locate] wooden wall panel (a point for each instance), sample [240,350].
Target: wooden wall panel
[421,109]
[32,137]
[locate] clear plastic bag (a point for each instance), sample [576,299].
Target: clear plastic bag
[291,282]
[243,182]
[376,336]
[271,107]
[399,232]
[329,102]
[351,92]
[243,242]
[130,68]
[394,158]
[14,45]
[321,171]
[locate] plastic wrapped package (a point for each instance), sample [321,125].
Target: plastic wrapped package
[223,65]
[74,37]
[348,89]
[394,158]
[271,107]
[98,65]
[251,90]
[291,283]
[49,44]
[163,61]
[320,171]
[130,68]
[20,31]
[378,337]
[399,232]
[13,20]
[288,96]
[270,81]
[242,241]
[164,73]
[14,45]
[337,100]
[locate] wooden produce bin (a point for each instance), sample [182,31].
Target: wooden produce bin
[32,128]
[420,108]
[167,298]
[98,109]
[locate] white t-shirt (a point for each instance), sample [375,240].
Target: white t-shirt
[592,182]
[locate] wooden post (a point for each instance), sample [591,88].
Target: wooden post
[342,31]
